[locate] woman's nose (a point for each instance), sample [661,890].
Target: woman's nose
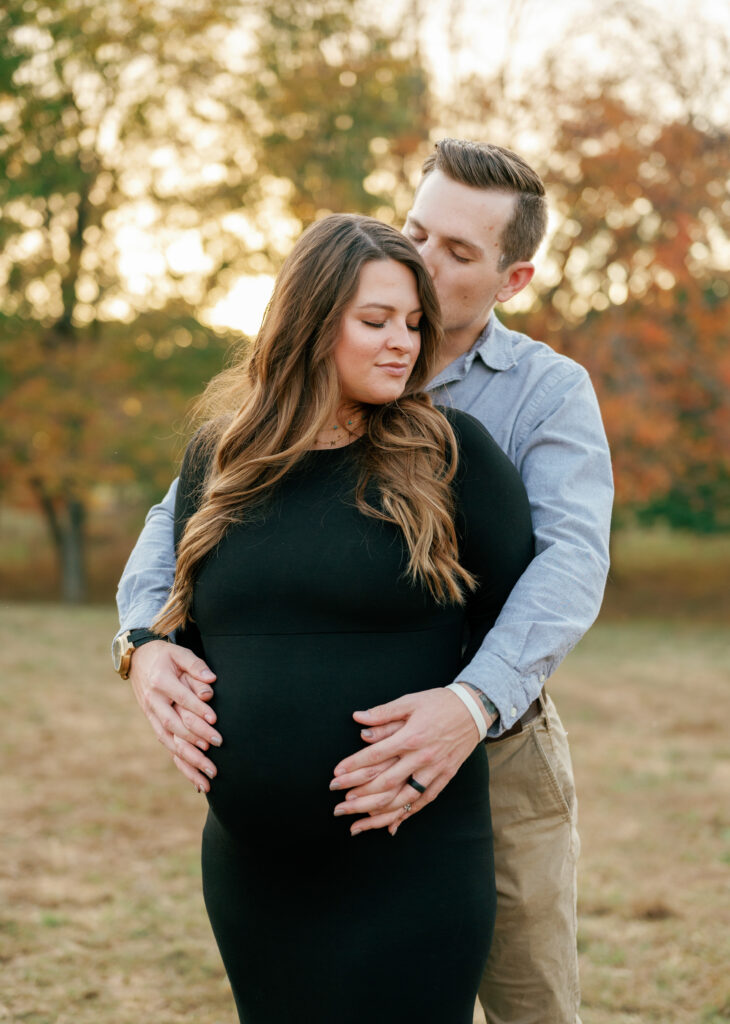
[401,337]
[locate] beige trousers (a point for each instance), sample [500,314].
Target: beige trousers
[531,976]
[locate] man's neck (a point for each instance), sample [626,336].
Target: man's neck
[455,344]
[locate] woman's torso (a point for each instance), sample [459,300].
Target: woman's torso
[306,614]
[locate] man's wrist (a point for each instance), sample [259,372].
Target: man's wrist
[490,709]
[125,644]
[464,693]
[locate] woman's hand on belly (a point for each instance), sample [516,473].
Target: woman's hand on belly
[426,736]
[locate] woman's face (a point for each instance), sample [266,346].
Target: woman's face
[379,338]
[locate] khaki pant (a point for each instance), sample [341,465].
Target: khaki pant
[531,976]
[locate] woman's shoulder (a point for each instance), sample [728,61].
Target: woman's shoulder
[195,467]
[471,435]
[200,450]
[482,463]
[490,495]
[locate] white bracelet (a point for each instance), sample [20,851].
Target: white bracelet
[472,707]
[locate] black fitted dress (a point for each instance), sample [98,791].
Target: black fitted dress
[305,615]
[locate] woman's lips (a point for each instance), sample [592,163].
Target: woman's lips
[395,369]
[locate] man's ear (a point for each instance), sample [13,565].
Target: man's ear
[519,276]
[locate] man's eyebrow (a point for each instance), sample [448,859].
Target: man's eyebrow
[384,306]
[449,238]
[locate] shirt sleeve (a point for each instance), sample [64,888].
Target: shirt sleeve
[563,458]
[150,570]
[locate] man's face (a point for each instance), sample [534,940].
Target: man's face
[457,230]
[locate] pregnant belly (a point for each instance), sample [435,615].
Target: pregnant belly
[284,706]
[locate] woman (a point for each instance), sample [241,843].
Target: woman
[341,543]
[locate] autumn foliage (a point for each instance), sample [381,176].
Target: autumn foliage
[637,290]
[222,130]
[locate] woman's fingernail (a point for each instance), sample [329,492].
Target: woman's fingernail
[210,718]
[207,674]
[216,740]
[338,811]
[367,733]
[210,772]
[355,831]
[207,692]
[335,784]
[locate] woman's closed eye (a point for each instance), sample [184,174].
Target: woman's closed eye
[379,326]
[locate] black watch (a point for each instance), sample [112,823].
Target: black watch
[126,644]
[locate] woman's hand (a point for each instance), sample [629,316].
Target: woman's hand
[423,736]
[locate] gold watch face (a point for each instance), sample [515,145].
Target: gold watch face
[119,648]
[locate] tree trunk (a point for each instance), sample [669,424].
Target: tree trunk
[69,539]
[73,560]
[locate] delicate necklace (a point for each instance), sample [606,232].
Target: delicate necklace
[341,436]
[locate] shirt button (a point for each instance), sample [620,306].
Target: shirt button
[542,677]
[513,712]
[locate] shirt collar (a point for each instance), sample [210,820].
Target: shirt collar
[493,347]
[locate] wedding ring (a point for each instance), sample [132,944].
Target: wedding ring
[416,785]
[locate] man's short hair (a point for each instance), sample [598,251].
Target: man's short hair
[483,165]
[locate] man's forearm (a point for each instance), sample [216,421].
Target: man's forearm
[150,569]
[544,617]
[565,465]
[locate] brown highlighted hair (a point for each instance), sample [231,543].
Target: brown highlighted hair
[486,166]
[263,414]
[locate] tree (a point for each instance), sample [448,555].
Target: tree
[345,105]
[135,187]
[89,94]
[641,293]
[634,279]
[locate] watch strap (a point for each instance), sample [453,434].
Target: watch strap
[138,637]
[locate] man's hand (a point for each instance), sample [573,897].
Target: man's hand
[171,685]
[426,735]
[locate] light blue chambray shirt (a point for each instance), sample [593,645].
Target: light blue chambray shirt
[541,409]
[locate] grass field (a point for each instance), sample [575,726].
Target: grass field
[101,917]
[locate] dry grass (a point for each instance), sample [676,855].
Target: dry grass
[647,707]
[101,918]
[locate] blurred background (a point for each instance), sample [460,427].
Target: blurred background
[157,161]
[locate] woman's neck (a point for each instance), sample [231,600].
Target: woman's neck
[347,423]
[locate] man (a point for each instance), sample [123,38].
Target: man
[477,218]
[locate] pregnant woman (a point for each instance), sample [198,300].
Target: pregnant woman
[341,543]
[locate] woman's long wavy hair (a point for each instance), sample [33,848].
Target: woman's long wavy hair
[264,414]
